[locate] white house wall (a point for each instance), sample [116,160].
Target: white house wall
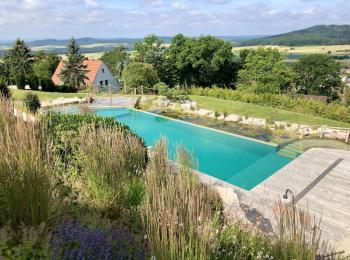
[107,75]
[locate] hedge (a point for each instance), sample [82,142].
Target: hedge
[299,104]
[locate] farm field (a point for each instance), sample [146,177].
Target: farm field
[334,49]
[93,55]
[293,53]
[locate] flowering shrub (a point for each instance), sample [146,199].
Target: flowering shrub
[300,105]
[74,241]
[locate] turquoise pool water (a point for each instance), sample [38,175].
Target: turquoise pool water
[233,159]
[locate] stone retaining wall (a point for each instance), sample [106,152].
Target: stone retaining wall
[191,107]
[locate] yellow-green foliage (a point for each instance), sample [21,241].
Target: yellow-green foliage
[178,211]
[300,105]
[112,161]
[24,171]
[298,234]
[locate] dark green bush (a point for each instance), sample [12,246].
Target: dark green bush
[32,102]
[47,84]
[20,81]
[32,81]
[299,104]
[4,90]
[67,89]
[161,88]
[63,130]
[177,94]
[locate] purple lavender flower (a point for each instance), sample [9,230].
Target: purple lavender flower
[74,241]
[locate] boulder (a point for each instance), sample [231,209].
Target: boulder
[144,99]
[233,118]
[189,105]
[254,121]
[221,117]
[203,112]
[163,103]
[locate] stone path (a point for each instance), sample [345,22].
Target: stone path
[328,199]
[115,101]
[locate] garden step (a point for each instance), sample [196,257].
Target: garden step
[289,154]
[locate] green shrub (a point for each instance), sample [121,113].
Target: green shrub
[237,241]
[298,234]
[161,88]
[32,243]
[66,89]
[177,94]
[63,130]
[110,160]
[178,210]
[4,90]
[24,174]
[47,84]
[20,81]
[32,102]
[216,114]
[347,95]
[32,81]
[299,104]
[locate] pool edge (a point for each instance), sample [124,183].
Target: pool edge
[208,128]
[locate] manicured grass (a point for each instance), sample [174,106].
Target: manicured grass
[19,94]
[252,110]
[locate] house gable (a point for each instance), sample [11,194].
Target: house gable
[104,78]
[98,73]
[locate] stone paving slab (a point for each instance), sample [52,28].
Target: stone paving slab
[115,101]
[329,199]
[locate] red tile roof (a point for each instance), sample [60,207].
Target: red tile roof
[93,67]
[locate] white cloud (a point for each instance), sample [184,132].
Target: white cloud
[91,3]
[106,18]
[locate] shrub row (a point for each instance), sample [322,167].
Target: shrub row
[300,105]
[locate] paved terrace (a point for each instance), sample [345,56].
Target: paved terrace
[320,182]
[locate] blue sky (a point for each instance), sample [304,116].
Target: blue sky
[39,19]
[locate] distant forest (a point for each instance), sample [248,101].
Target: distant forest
[316,35]
[59,46]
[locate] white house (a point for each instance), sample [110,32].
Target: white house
[99,75]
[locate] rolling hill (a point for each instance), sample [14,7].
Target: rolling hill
[316,35]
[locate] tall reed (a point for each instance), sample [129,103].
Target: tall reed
[298,234]
[24,170]
[111,161]
[178,212]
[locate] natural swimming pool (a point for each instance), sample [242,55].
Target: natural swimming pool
[234,159]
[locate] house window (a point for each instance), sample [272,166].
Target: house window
[103,70]
[106,82]
[101,83]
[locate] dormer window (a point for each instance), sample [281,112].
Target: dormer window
[103,70]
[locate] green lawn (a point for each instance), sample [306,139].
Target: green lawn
[252,110]
[19,94]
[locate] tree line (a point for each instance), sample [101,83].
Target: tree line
[21,67]
[208,61]
[187,62]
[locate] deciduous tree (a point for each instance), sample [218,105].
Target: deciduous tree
[137,74]
[318,74]
[206,61]
[116,60]
[153,51]
[265,71]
